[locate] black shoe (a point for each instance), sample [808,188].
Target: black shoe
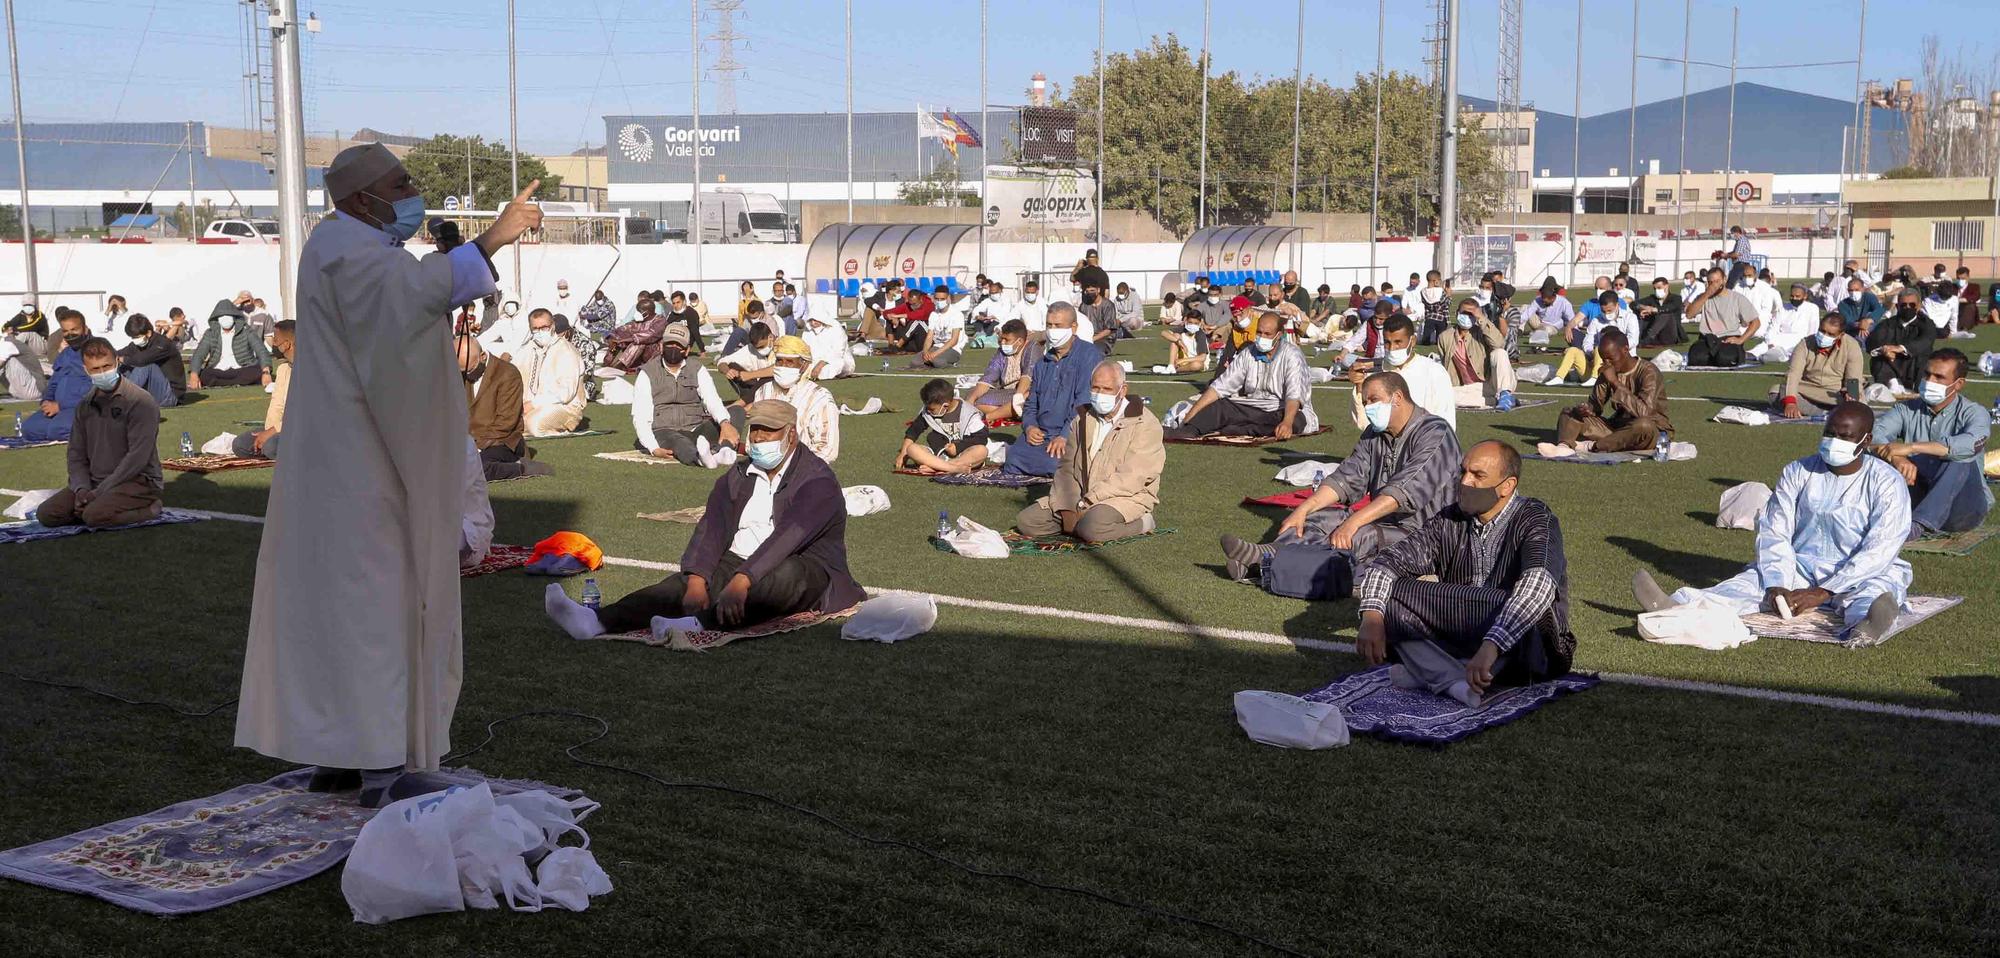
[334,780]
[535,467]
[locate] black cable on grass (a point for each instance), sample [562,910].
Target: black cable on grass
[170,706]
[604,730]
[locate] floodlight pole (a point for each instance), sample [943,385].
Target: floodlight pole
[21,160]
[1201,182]
[1375,189]
[1443,257]
[513,138]
[694,199]
[285,76]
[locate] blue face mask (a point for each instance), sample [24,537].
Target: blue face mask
[1103,403]
[767,455]
[1377,414]
[1935,393]
[106,381]
[1825,341]
[409,217]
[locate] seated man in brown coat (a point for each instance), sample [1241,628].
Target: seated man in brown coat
[772,543]
[114,456]
[495,415]
[1627,409]
[1109,480]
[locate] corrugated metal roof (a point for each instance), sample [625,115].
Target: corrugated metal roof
[125,156]
[1777,131]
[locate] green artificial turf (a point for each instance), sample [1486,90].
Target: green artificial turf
[1623,819]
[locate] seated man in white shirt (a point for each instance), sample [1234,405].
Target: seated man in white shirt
[992,312]
[945,345]
[1763,296]
[505,335]
[1795,320]
[1031,310]
[771,543]
[1428,382]
[551,378]
[676,412]
[831,357]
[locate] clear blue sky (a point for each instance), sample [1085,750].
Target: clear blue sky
[440,65]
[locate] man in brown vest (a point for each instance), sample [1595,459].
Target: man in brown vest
[676,412]
[495,418]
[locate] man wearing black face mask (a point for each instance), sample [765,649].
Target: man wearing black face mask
[1899,347]
[1498,612]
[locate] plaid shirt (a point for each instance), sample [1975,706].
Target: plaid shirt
[1460,549]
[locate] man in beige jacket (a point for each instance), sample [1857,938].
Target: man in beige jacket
[1109,481]
[1474,355]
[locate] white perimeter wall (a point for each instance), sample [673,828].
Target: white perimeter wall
[155,276]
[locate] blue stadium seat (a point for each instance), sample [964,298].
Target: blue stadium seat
[822,286]
[923,284]
[943,283]
[952,284]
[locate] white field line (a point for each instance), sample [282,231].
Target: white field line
[1191,630]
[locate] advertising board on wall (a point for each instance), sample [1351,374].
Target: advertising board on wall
[1051,199]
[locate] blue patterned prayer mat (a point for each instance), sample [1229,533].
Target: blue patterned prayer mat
[32,531]
[992,477]
[209,852]
[1372,706]
[1518,406]
[18,442]
[1594,458]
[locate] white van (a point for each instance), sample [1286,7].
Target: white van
[243,231]
[734,216]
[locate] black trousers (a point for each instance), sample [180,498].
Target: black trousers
[500,461]
[1710,350]
[1456,617]
[1662,329]
[1227,417]
[681,442]
[240,376]
[791,587]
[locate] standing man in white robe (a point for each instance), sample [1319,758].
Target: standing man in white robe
[354,657]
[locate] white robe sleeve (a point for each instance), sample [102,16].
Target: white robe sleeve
[476,527]
[1777,563]
[642,411]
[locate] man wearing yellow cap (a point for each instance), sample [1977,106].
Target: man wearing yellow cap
[818,414]
[353,662]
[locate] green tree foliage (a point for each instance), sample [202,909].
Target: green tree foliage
[439,167]
[942,186]
[1906,173]
[1153,148]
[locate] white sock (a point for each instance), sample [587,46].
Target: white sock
[1464,694]
[663,626]
[725,457]
[703,453]
[578,621]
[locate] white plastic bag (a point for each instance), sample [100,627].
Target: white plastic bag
[869,408]
[1669,361]
[1741,505]
[1301,473]
[1701,624]
[569,877]
[1682,452]
[402,863]
[865,500]
[891,618]
[454,849]
[1989,363]
[615,392]
[1288,721]
[966,381]
[975,541]
[1534,372]
[1176,414]
[1743,415]
[222,445]
[1879,394]
[24,507]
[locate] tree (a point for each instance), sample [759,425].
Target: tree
[942,186]
[1153,143]
[10,222]
[1945,130]
[1906,173]
[439,167]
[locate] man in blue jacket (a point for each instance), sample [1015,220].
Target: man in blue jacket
[1061,384]
[68,384]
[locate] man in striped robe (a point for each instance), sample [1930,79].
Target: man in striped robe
[1498,613]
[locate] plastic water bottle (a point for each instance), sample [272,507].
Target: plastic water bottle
[592,598]
[20,426]
[944,524]
[187,445]
[885,365]
[1319,478]
[1661,446]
